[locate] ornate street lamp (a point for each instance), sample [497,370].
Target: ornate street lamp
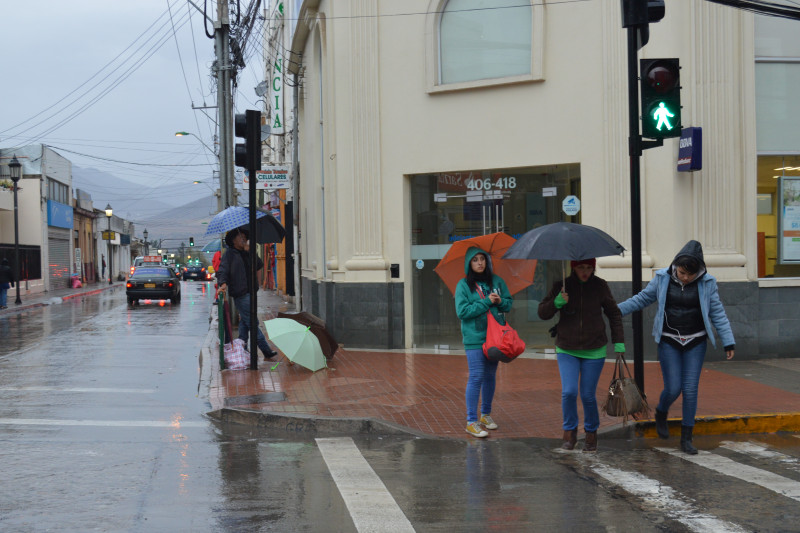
[16,173]
[146,249]
[109,212]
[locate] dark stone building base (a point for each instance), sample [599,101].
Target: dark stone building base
[367,315]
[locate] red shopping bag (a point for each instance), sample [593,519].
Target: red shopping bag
[502,341]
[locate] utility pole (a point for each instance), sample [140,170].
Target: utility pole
[224,104]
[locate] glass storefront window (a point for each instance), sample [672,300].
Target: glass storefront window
[451,206]
[771,168]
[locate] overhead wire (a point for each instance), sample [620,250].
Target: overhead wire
[127,73]
[87,81]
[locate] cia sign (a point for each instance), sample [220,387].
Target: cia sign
[571,205]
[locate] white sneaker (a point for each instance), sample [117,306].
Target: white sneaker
[475,430]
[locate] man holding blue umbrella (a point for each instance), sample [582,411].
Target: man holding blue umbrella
[234,277]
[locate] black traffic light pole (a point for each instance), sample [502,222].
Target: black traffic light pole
[248,126]
[635,147]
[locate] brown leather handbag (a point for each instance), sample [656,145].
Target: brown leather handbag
[624,397]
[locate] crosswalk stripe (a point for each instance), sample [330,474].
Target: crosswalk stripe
[673,504]
[100,423]
[78,389]
[371,506]
[759,451]
[779,484]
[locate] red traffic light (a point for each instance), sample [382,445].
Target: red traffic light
[662,76]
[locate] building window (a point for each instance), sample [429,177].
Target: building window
[479,39]
[475,43]
[58,192]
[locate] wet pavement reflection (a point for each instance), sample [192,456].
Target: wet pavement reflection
[102,428]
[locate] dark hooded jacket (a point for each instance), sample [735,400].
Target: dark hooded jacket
[580,324]
[6,274]
[233,269]
[471,308]
[711,310]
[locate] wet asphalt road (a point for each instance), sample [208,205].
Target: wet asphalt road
[102,429]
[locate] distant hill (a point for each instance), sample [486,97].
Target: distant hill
[163,211]
[177,224]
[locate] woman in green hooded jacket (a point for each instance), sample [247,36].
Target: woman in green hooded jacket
[478,293]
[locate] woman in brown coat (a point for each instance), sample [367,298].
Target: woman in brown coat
[581,345]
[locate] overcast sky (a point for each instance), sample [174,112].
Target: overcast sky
[115,79]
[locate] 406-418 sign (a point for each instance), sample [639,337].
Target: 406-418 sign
[487,184]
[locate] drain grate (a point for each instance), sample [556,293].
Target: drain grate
[255,398]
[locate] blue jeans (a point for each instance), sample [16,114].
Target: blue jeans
[681,371]
[3,297]
[481,383]
[579,375]
[243,306]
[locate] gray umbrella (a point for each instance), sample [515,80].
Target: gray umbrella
[564,241]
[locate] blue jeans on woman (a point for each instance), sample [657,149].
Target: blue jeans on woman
[481,383]
[681,371]
[243,306]
[579,374]
[3,296]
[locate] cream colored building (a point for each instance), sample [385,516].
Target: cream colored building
[425,121]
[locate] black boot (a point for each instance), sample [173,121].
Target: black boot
[686,440]
[662,427]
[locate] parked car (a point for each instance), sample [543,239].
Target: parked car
[153,283]
[197,272]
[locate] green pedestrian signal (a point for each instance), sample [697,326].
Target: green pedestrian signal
[661,98]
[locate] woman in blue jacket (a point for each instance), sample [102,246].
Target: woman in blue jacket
[478,293]
[688,305]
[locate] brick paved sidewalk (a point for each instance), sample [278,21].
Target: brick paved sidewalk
[425,393]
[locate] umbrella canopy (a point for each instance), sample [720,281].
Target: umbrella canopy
[517,273]
[296,342]
[230,218]
[268,229]
[317,326]
[213,246]
[564,241]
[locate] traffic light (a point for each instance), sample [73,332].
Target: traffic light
[661,98]
[247,125]
[639,14]
[164,258]
[191,241]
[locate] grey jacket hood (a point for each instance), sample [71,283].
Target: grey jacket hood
[691,249]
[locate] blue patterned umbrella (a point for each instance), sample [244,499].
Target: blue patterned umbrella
[230,218]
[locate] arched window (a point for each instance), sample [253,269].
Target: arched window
[484,39]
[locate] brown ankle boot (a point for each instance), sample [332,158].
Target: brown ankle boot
[570,439]
[590,444]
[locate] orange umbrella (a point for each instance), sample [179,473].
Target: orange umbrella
[517,273]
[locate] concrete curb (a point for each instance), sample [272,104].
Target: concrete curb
[711,425]
[312,426]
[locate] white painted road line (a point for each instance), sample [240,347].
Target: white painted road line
[78,389]
[759,451]
[779,484]
[371,506]
[101,423]
[665,499]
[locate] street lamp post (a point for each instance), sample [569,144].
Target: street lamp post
[16,173]
[226,180]
[146,248]
[109,212]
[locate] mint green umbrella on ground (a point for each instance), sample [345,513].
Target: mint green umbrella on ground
[296,342]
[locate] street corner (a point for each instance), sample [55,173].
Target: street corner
[726,425]
[309,426]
